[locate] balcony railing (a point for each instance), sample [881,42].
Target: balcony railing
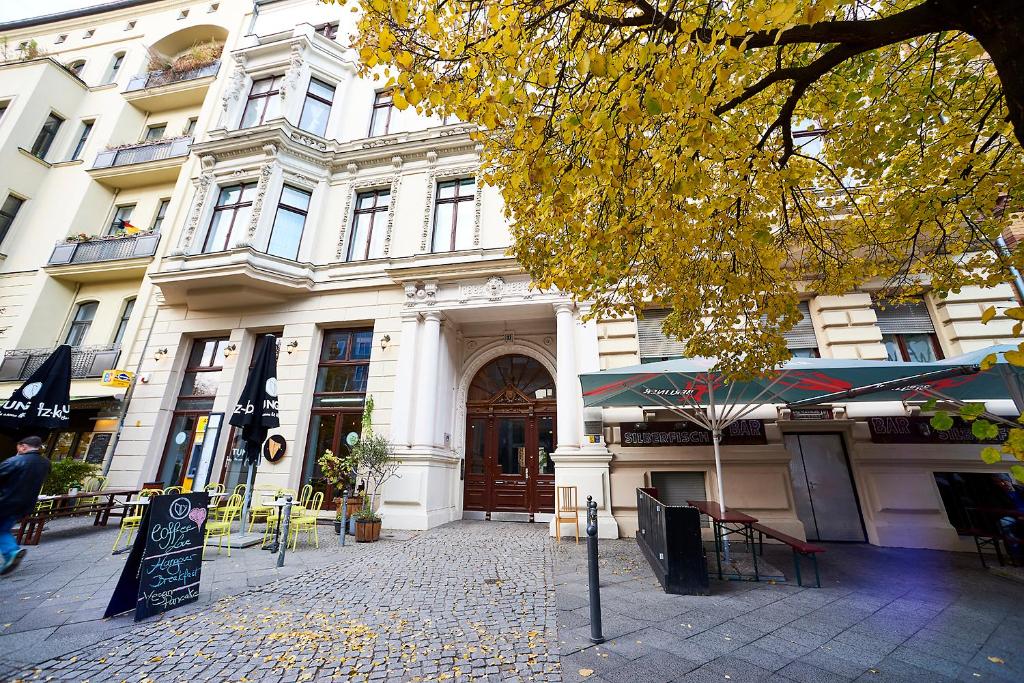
[143,152]
[154,79]
[86,361]
[111,249]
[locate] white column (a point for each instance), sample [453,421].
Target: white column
[405,382]
[567,384]
[426,379]
[589,361]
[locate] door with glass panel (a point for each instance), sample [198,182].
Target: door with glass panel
[338,400]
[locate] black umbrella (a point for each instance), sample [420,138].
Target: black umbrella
[256,410]
[44,401]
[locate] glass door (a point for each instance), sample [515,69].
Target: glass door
[509,464]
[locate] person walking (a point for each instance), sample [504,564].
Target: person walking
[21,478]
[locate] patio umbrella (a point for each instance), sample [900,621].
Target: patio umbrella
[256,410]
[43,402]
[693,389]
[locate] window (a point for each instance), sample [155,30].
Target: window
[83,137]
[161,213]
[122,324]
[122,219]
[190,127]
[263,103]
[81,323]
[317,107]
[115,66]
[8,212]
[214,7]
[453,215]
[233,207]
[129,26]
[380,118]
[76,67]
[61,38]
[289,221]
[908,332]
[369,225]
[338,399]
[193,426]
[990,502]
[801,340]
[328,30]
[3,109]
[46,135]
[183,14]
[156,131]
[89,33]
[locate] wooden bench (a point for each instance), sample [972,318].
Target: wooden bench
[800,549]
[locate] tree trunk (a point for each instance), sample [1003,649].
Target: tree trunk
[998,25]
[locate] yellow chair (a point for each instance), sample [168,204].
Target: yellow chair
[239,489]
[88,486]
[133,517]
[256,507]
[567,511]
[273,518]
[305,495]
[173,489]
[214,488]
[221,528]
[233,505]
[307,521]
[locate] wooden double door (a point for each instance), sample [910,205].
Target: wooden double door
[508,460]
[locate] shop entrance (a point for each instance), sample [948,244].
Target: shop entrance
[510,435]
[823,490]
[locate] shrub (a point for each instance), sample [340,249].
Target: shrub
[67,473]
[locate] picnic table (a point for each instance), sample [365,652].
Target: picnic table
[727,523]
[32,524]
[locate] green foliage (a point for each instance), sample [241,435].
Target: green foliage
[984,430]
[374,458]
[64,474]
[991,455]
[941,421]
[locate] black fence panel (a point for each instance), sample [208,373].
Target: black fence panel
[669,536]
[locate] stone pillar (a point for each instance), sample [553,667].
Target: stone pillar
[589,361]
[426,380]
[405,382]
[567,384]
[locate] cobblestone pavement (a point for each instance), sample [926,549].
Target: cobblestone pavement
[883,614]
[465,601]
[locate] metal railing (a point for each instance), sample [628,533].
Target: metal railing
[94,251]
[669,536]
[86,361]
[154,79]
[143,152]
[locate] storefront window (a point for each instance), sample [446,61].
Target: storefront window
[985,502]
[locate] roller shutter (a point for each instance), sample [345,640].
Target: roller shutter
[653,342]
[908,318]
[675,488]
[802,335]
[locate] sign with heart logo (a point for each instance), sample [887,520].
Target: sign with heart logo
[198,515]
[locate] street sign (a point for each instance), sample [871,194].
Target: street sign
[117,378]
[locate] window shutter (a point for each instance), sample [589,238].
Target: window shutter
[802,335]
[908,318]
[675,488]
[653,342]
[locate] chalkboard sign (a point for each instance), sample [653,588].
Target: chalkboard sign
[163,569]
[98,447]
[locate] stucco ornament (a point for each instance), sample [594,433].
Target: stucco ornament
[291,76]
[235,85]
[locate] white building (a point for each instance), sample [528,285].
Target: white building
[300,203]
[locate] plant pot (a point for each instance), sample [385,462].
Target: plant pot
[337,527]
[367,531]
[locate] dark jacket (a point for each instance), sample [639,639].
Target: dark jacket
[21,477]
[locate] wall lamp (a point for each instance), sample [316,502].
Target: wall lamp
[159,353]
[229,350]
[384,341]
[292,346]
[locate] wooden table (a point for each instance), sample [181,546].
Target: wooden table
[32,525]
[728,523]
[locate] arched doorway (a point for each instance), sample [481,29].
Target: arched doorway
[510,435]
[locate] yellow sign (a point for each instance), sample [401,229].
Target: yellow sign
[117,378]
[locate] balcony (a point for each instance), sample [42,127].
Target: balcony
[147,163]
[86,362]
[103,259]
[228,279]
[168,89]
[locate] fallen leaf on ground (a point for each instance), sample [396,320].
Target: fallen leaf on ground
[996,660]
[586,673]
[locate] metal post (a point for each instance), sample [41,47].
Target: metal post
[344,516]
[286,518]
[595,581]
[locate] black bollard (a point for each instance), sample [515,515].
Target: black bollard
[344,516]
[595,581]
[285,521]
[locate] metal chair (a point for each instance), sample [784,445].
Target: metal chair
[132,519]
[307,521]
[221,529]
[173,489]
[566,511]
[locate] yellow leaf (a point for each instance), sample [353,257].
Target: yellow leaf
[1017,313]
[996,660]
[1014,358]
[988,361]
[989,313]
[398,99]
[587,673]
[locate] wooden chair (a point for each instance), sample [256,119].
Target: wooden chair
[566,511]
[133,517]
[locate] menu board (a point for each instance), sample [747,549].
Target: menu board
[98,447]
[163,569]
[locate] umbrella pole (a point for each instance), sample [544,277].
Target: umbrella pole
[716,438]
[248,494]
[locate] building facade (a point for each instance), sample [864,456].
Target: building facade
[234,177]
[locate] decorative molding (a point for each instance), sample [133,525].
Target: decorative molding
[495,289]
[291,75]
[428,209]
[421,293]
[203,184]
[235,85]
[300,179]
[266,171]
[308,140]
[394,181]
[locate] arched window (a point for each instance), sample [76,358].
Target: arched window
[76,67]
[115,66]
[524,375]
[80,324]
[122,324]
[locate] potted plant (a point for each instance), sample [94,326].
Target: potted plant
[339,473]
[376,465]
[67,474]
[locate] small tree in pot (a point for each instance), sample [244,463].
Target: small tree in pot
[341,474]
[376,465]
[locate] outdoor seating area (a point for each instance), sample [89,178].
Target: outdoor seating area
[102,504]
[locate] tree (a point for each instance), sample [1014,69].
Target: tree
[718,158]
